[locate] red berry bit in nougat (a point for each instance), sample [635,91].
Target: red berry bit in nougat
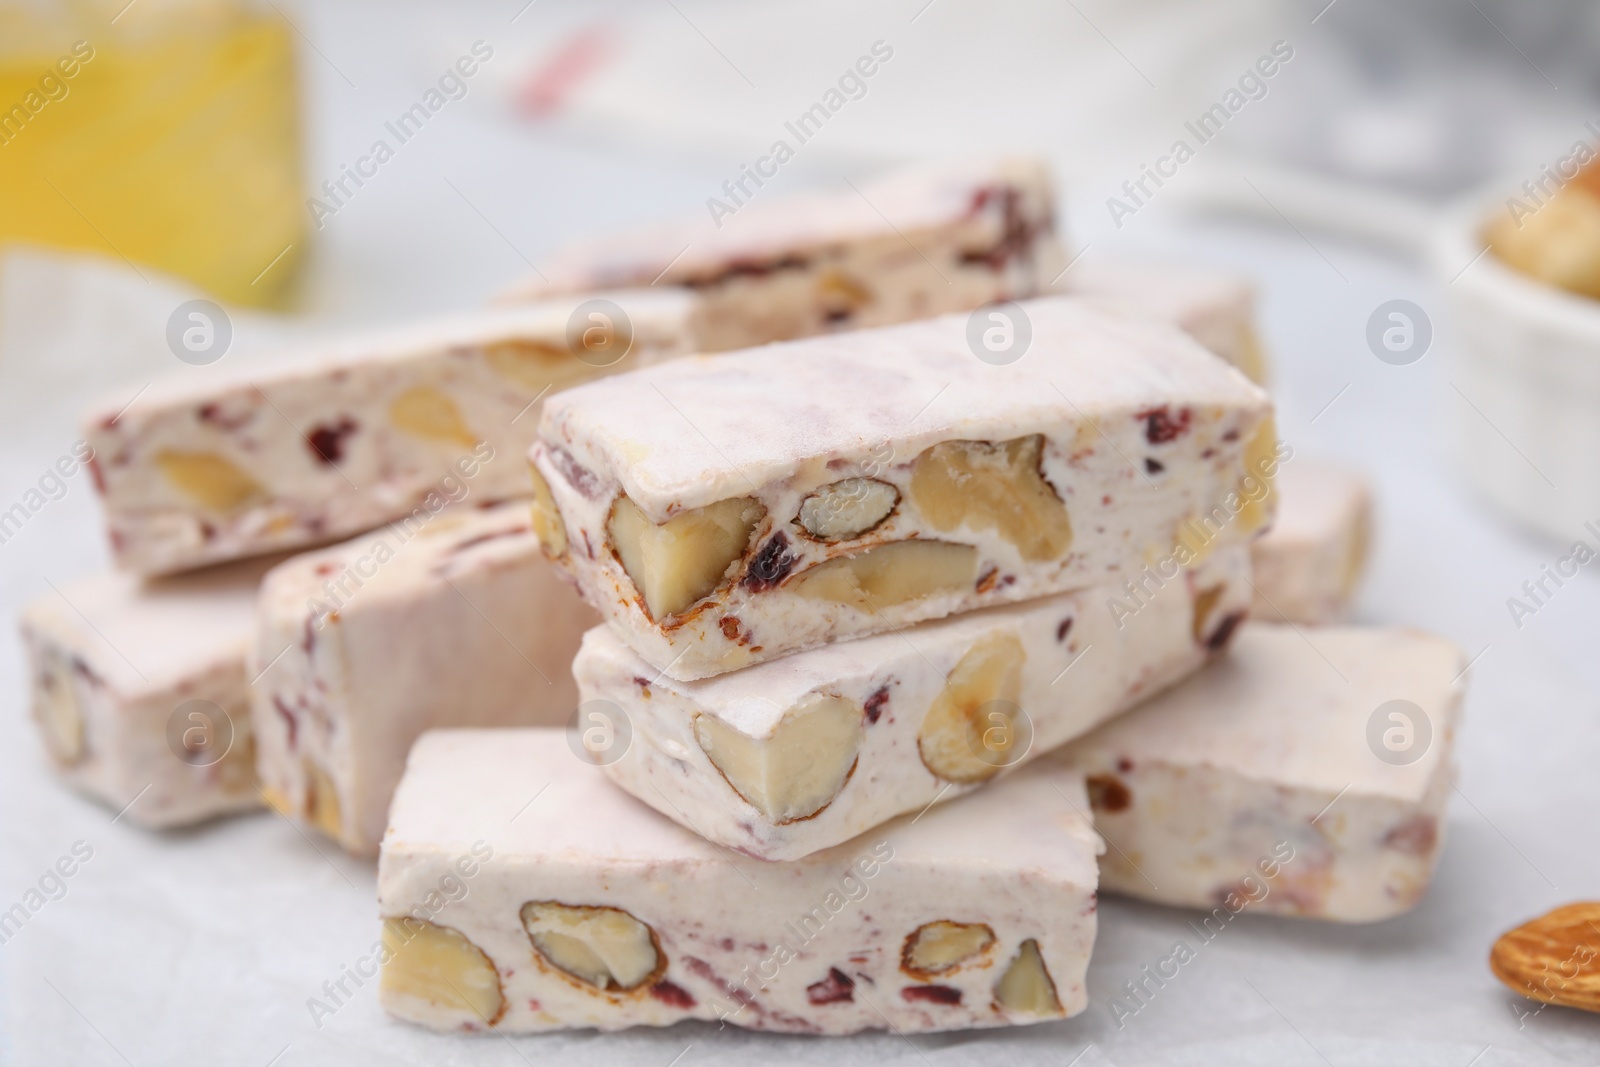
[327,442]
[1161,426]
[833,989]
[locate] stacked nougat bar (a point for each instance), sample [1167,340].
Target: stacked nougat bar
[911,244]
[387,433]
[846,582]
[880,585]
[164,687]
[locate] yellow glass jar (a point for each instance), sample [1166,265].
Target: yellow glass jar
[166,132]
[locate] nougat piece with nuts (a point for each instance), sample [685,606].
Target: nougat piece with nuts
[723,511]
[140,692]
[454,619]
[1214,307]
[521,892]
[229,461]
[1306,773]
[789,757]
[906,245]
[1307,567]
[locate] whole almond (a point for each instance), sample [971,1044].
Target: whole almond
[1555,958]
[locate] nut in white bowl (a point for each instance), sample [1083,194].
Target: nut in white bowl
[1522,387]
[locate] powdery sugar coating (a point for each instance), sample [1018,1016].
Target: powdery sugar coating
[1271,746]
[1139,430]
[719,921]
[112,661]
[1308,565]
[1214,307]
[903,246]
[361,647]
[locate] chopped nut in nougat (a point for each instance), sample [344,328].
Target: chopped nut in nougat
[425,412]
[940,947]
[982,485]
[601,914]
[1255,487]
[676,563]
[140,691]
[322,802]
[797,769]
[1026,987]
[532,364]
[1008,488]
[890,574]
[1306,568]
[1305,773]
[783,759]
[919,242]
[547,524]
[360,647]
[847,509]
[1215,308]
[213,482]
[971,729]
[55,709]
[436,975]
[347,436]
[1205,606]
[605,947]
[841,297]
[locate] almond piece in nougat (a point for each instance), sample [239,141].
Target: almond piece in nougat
[907,245]
[1305,773]
[725,510]
[522,892]
[141,694]
[359,648]
[788,757]
[228,462]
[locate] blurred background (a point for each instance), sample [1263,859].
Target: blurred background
[154,152]
[230,148]
[193,135]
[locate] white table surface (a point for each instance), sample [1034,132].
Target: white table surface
[204,947]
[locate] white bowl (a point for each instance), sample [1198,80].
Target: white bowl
[1523,381]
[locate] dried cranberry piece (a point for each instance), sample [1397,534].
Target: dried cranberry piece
[673,994]
[770,565]
[833,989]
[874,705]
[1108,793]
[327,442]
[1161,425]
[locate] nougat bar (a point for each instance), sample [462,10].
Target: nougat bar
[1308,565]
[223,464]
[791,756]
[360,647]
[522,892]
[1214,307]
[903,246]
[726,510]
[140,691]
[1306,773]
